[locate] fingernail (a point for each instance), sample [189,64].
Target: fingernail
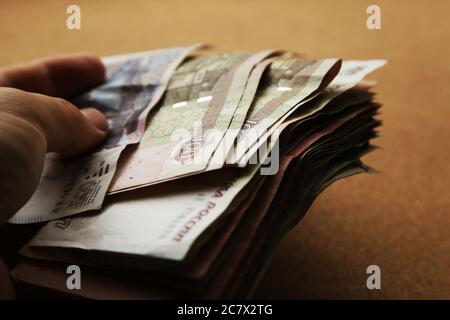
[96,117]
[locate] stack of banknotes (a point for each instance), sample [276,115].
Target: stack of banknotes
[211,158]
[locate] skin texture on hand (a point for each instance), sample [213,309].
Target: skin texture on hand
[35,119]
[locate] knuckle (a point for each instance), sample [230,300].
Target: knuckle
[67,110]
[10,94]
[14,102]
[24,106]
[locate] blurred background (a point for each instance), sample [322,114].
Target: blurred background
[398,219]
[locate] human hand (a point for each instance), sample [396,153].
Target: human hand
[35,119]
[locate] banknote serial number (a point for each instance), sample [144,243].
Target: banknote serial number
[225,309]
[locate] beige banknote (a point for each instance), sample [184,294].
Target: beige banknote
[194,115]
[288,84]
[161,221]
[351,73]
[153,160]
[220,154]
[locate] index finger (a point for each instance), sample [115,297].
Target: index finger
[61,76]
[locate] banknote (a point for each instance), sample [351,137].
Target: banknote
[161,221]
[193,116]
[222,150]
[351,73]
[135,83]
[288,84]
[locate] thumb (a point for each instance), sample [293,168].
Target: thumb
[96,117]
[65,128]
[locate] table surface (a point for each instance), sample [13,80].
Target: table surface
[397,219]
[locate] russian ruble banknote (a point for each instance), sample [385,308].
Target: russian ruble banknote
[134,85]
[219,156]
[351,73]
[162,221]
[289,84]
[198,107]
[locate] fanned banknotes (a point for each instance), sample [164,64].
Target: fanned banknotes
[222,154]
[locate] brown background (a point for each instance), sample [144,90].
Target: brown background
[398,219]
